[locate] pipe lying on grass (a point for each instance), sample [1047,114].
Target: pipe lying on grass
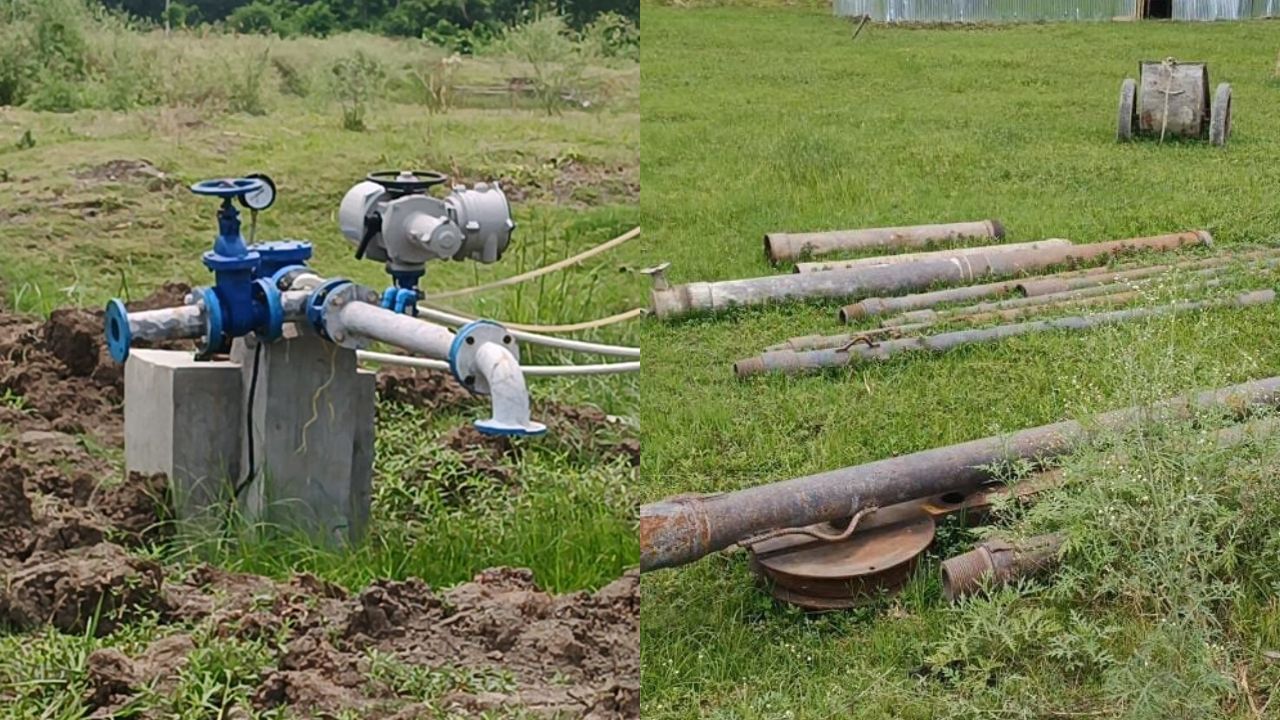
[808,267]
[794,363]
[893,279]
[681,529]
[922,320]
[874,306]
[790,246]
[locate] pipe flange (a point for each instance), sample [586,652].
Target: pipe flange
[214,340]
[266,291]
[283,278]
[462,353]
[327,300]
[116,327]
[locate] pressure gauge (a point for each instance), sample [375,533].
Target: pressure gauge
[263,197]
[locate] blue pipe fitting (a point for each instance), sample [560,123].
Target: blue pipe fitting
[460,340]
[283,278]
[316,304]
[215,339]
[267,296]
[389,298]
[119,336]
[281,254]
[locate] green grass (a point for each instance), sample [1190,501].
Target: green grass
[764,119]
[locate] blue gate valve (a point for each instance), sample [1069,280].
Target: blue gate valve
[240,301]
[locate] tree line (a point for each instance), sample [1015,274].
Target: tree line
[459,23]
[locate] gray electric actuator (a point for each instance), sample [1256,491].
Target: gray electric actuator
[390,218]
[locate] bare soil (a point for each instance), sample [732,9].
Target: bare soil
[66,524]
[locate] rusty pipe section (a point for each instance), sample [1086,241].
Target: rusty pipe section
[975,316]
[998,562]
[1055,283]
[681,529]
[895,279]
[795,363]
[877,306]
[780,247]
[808,267]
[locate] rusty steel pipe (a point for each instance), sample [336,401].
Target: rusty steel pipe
[794,363]
[876,306]
[808,267]
[998,562]
[975,314]
[893,279]
[780,247]
[1036,287]
[681,529]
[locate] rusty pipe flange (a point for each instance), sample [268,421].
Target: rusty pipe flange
[818,575]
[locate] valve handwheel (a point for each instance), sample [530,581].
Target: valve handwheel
[406,182]
[228,187]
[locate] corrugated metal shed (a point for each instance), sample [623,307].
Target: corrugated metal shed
[1035,10]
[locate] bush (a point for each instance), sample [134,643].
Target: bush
[613,35]
[256,18]
[315,19]
[292,80]
[245,92]
[56,94]
[356,80]
[438,82]
[17,67]
[558,62]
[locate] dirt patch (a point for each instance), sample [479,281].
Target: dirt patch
[433,390]
[563,180]
[128,172]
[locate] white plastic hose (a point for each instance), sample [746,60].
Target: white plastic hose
[534,338]
[530,370]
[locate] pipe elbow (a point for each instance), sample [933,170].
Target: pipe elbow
[484,358]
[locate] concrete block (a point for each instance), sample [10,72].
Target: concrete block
[312,437]
[183,418]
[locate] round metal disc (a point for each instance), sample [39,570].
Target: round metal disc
[815,574]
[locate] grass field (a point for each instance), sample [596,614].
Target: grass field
[768,118]
[85,215]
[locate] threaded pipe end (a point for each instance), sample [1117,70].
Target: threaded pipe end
[964,574]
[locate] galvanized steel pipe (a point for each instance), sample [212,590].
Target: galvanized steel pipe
[808,267]
[892,279]
[794,363]
[681,529]
[790,246]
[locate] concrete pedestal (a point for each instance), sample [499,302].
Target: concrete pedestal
[309,465]
[181,418]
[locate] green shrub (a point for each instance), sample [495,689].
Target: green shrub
[316,19]
[256,18]
[17,67]
[355,81]
[292,80]
[614,36]
[557,61]
[245,93]
[56,94]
